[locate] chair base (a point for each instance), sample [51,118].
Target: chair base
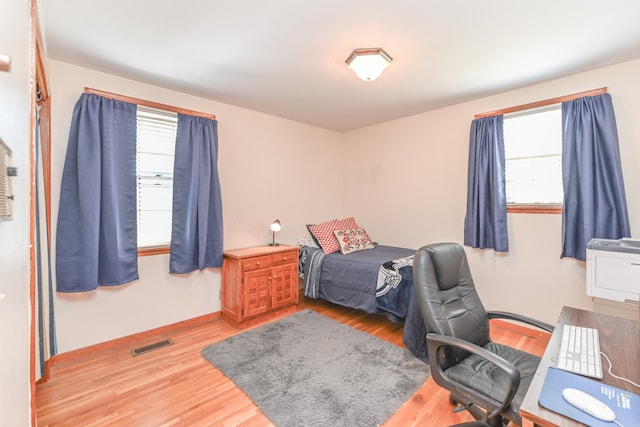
[480,423]
[478,414]
[472,424]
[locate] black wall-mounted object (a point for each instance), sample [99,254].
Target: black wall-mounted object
[6,172]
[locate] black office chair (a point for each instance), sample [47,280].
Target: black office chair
[486,378]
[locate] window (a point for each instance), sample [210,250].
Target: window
[533,157]
[155,150]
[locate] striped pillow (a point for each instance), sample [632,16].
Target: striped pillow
[324,233]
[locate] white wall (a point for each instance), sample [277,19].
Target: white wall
[269,168]
[15,104]
[406,183]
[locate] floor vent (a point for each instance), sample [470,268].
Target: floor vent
[150,347]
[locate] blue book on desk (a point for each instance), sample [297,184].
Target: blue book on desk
[626,405]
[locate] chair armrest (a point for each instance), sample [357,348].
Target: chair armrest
[435,342]
[520,318]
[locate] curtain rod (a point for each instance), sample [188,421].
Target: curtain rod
[537,104]
[148,103]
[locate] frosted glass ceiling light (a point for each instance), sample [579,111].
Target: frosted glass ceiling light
[368,64]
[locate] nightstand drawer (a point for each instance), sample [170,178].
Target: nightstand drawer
[256,263]
[284,257]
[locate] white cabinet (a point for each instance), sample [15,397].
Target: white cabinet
[613,269]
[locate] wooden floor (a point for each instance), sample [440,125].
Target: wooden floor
[176,386]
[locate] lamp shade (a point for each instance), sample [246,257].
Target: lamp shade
[368,64]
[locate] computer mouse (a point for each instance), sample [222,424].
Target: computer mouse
[589,404]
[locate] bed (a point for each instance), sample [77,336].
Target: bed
[376,280]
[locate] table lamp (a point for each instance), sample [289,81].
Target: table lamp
[275,226]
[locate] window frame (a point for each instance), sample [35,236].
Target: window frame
[541,208]
[164,249]
[535,207]
[156,119]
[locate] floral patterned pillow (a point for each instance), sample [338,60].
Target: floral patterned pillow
[353,240]
[324,233]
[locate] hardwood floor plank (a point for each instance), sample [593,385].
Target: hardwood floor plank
[176,386]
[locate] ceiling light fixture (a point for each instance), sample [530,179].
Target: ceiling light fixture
[368,64]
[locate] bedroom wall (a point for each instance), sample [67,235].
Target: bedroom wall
[405,182]
[269,168]
[15,307]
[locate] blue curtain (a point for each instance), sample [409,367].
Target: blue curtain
[196,233]
[44,297]
[96,241]
[485,223]
[594,198]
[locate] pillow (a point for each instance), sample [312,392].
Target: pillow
[312,236]
[324,233]
[353,240]
[308,242]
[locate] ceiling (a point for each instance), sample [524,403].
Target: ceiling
[286,57]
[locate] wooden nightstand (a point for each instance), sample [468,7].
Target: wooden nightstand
[258,280]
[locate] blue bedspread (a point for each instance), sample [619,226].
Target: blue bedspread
[394,286]
[352,280]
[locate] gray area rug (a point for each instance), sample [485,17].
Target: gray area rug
[309,370]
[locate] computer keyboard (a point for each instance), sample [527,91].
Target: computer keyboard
[580,351]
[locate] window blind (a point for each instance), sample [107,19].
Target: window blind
[533,156]
[156,136]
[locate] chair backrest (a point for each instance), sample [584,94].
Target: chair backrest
[447,297]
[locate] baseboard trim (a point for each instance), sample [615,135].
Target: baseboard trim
[124,341]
